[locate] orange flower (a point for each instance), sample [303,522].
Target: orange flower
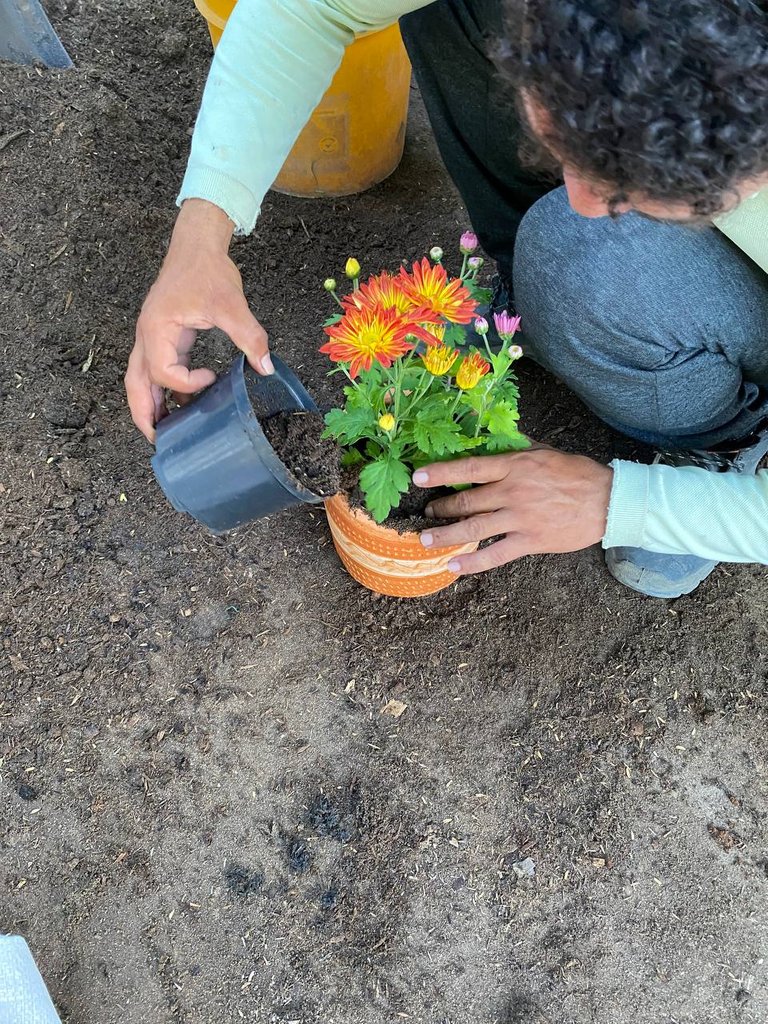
[439,360]
[383,291]
[436,332]
[430,291]
[365,335]
[471,370]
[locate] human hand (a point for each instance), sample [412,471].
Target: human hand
[541,500]
[198,287]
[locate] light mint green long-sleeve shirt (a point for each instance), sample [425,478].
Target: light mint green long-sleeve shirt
[272,66]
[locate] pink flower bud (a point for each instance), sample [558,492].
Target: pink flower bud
[475,262]
[481,326]
[468,242]
[506,325]
[515,352]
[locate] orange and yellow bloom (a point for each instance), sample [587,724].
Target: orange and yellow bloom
[439,359]
[473,368]
[431,292]
[365,335]
[382,291]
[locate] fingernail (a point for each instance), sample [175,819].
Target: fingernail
[429,513]
[266,365]
[427,540]
[454,566]
[420,477]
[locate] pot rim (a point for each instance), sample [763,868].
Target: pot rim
[250,421]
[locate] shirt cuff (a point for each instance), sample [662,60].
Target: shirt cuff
[229,194]
[628,506]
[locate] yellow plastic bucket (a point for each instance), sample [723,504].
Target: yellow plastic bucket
[355,137]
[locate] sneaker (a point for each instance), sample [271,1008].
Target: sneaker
[669,576]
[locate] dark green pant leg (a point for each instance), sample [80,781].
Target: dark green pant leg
[473,117]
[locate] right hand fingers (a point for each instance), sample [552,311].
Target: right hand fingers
[247,333]
[158,361]
[175,309]
[145,400]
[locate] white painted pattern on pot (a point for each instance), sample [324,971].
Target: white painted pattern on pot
[404,567]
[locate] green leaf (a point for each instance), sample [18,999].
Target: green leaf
[419,458]
[349,425]
[382,482]
[333,320]
[502,419]
[501,362]
[496,444]
[435,406]
[413,377]
[456,334]
[437,437]
[352,457]
[507,392]
[481,295]
[476,398]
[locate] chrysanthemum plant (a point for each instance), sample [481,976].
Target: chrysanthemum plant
[418,391]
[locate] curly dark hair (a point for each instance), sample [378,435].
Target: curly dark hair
[668,98]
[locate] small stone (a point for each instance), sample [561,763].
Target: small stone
[27,792]
[524,868]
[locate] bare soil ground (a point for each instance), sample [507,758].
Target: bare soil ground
[206,815]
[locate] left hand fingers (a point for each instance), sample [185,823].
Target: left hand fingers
[483,469]
[487,498]
[507,550]
[475,528]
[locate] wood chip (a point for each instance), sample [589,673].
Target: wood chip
[59,252]
[395,708]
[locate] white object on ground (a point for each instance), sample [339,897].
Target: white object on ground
[524,868]
[24,998]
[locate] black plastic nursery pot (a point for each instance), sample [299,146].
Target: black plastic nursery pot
[212,459]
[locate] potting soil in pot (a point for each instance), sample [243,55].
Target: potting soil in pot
[297,439]
[409,516]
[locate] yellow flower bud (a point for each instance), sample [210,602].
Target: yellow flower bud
[387,422]
[439,359]
[352,269]
[472,369]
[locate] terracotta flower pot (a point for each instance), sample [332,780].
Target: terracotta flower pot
[384,560]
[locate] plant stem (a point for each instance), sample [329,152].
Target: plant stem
[456,403]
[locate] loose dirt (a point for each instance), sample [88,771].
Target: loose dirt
[211,811]
[298,440]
